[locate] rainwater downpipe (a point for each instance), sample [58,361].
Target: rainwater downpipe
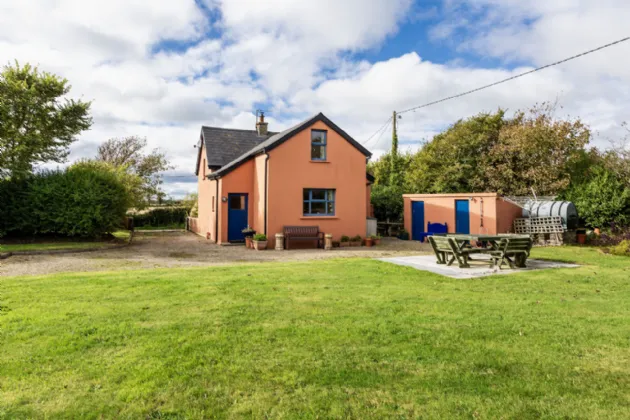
[266,175]
[216,213]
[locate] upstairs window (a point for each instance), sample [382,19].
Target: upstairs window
[318,145]
[319,202]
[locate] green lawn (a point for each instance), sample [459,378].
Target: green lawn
[163,227]
[52,246]
[325,339]
[122,235]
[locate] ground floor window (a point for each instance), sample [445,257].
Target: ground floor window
[319,202]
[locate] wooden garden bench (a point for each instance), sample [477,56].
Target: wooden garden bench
[513,251]
[303,233]
[447,251]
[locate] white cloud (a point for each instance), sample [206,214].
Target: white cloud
[296,57]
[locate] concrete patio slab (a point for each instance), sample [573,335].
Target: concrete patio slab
[480,267]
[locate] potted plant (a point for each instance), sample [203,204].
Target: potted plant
[581,236]
[368,241]
[249,233]
[345,241]
[336,244]
[356,240]
[260,241]
[404,235]
[376,239]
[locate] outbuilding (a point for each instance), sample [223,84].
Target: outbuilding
[470,213]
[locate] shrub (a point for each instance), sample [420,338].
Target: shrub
[81,200]
[345,238]
[357,238]
[260,237]
[622,248]
[388,202]
[601,200]
[162,216]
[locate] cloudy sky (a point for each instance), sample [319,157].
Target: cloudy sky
[162,68]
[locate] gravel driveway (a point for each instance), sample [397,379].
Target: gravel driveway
[184,249]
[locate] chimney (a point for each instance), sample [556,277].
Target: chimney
[261,125]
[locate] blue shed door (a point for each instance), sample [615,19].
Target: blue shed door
[417,220]
[462,216]
[237,217]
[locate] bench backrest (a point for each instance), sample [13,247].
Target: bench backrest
[437,228]
[516,245]
[442,243]
[301,231]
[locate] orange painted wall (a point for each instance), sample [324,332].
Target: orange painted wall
[489,213]
[206,190]
[291,170]
[508,212]
[440,208]
[368,202]
[240,180]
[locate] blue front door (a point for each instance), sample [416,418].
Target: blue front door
[462,216]
[417,220]
[237,217]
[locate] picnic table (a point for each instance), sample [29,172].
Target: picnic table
[505,248]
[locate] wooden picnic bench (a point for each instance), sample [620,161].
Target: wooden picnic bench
[447,251]
[513,251]
[303,233]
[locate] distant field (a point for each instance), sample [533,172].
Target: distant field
[352,338]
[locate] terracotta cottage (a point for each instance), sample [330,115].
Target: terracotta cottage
[313,174]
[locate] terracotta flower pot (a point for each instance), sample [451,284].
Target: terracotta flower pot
[355,243]
[581,238]
[376,241]
[248,242]
[344,244]
[260,245]
[368,242]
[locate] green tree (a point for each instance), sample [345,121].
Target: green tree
[450,163]
[601,200]
[37,122]
[190,203]
[386,197]
[128,153]
[388,202]
[381,168]
[534,151]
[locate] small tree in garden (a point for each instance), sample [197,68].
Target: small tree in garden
[37,122]
[128,153]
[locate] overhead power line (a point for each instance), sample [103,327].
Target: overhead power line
[382,131]
[517,76]
[385,124]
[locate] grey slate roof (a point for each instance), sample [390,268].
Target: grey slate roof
[279,138]
[223,145]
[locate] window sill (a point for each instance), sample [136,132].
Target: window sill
[319,218]
[319,161]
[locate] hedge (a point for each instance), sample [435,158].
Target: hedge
[163,216]
[78,201]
